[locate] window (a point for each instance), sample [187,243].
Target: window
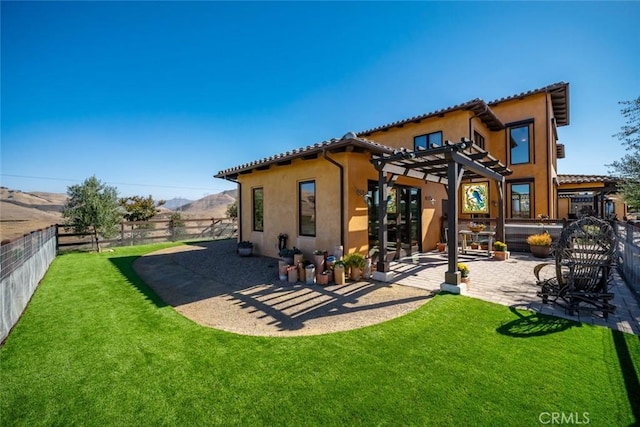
[520,200]
[520,142]
[307,208]
[478,139]
[429,140]
[258,209]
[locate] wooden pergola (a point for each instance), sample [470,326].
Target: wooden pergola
[449,165]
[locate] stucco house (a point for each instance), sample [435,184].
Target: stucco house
[327,194]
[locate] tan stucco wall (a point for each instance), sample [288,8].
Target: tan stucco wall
[280,186]
[455,125]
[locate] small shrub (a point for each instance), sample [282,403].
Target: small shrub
[542,239]
[500,246]
[355,260]
[463,269]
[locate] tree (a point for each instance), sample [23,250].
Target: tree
[138,208]
[628,168]
[232,210]
[92,208]
[177,227]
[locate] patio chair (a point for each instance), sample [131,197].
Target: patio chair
[584,256]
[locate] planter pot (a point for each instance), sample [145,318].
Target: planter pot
[501,256]
[367,269]
[310,274]
[323,279]
[297,259]
[301,272]
[356,273]
[288,260]
[475,246]
[442,247]
[540,251]
[318,260]
[465,279]
[282,270]
[338,273]
[245,251]
[292,274]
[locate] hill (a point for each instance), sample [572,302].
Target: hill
[22,212]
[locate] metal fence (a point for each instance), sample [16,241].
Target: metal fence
[23,264]
[628,254]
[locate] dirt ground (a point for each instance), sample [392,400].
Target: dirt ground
[210,284]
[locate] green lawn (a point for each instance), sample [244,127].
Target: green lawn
[97,347]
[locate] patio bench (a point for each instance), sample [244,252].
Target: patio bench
[584,256]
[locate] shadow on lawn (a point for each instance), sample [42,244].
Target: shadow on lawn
[125,266]
[213,272]
[530,324]
[629,372]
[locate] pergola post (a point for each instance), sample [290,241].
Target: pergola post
[382,265]
[500,231]
[452,275]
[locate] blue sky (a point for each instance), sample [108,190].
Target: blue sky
[157,97]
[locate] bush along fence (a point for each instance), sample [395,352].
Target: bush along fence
[154,231]
[23,264]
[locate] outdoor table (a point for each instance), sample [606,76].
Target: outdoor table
[464,234]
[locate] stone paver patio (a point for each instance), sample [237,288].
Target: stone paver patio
[512,283]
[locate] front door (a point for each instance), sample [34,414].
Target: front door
[404,212]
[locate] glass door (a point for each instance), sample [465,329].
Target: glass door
[404,213]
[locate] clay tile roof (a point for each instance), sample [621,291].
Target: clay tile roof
[559,100]
[350,139]
[584,179]
[477,105]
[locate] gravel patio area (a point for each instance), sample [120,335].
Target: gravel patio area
[213,286]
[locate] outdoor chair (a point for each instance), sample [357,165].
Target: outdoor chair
[584,256]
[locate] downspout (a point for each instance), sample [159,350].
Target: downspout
[549,189]
[240,239]
[486,108]
[329,159]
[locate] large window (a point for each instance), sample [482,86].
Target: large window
[307,208]
[428,140]
[520,144]
[258,209]
[520,200]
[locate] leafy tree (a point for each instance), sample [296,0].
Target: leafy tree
[232,210]
[92,208]
[628,168]
[140,208]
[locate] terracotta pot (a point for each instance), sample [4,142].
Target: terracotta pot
[502,256]
[292,274]
[442,247]
[465,279]
[540,251]
[338,273]
[318,260]
[474,246]
[323,279]
[356,273]
[297,259]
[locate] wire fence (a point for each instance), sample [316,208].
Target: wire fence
[628,254]
[23,264]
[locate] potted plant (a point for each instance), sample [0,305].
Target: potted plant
[356,263]
[292,274]
[476,227]
[540,244]
[339,268]
[245,248]
[464,271]
[323,278]
[441,246]
[287,255]
[500,251]
[318,260]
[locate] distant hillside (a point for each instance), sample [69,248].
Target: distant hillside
[175,203]
[214,205]
[22,212]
